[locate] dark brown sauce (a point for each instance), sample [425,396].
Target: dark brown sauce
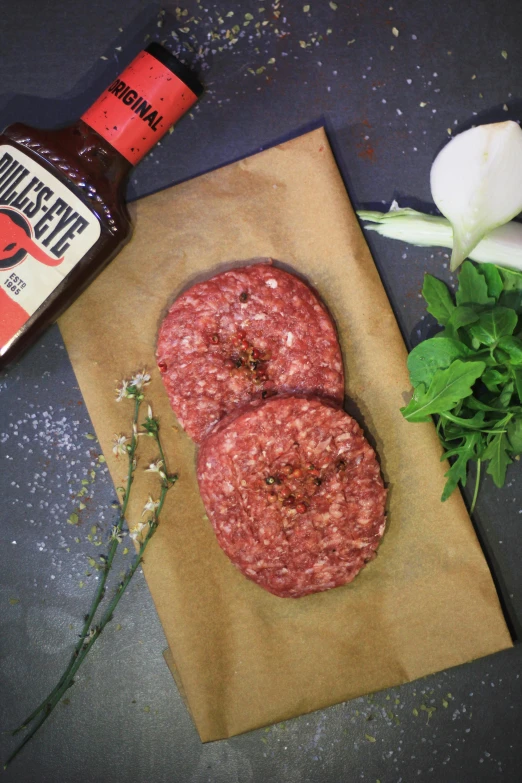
[95,172]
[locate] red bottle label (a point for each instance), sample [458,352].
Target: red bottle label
[45,230]
[139,107]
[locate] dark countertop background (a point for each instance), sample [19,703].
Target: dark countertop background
[124,719]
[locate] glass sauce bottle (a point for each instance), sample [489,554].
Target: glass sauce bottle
[62,208]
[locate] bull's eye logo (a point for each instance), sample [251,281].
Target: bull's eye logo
[16,241]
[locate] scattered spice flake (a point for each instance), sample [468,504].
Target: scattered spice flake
[118,627]
[349,43]
[103,57]
[249,17]
[101,458]
[14,601]
[73,519]
[395,32]
[422,104]
[474,76]
[370,738]
[505,107]
[445,704]
[504,54]
[271,61]
[126,551]
[333,6]
[306,8]
[146,709]
[90,436]
[415,712]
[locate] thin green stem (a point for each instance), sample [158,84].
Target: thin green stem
[477,482]
[66,683]
[100,591]
[90,636]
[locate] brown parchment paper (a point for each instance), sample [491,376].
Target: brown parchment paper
[242,657]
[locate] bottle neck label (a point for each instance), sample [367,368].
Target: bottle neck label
[139,107]
[45,230]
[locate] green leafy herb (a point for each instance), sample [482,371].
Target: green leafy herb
[498,456]
[446,389]
[432,355]
[470,375]
[438,299]
[473,287]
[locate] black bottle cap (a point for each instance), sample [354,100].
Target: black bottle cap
[171,62]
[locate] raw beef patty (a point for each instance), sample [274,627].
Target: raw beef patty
[246,334]
[294,494]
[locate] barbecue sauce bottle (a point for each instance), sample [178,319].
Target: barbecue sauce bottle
[62,210]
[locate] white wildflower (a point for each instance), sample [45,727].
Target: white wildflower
[122,391]
[119,447]
[150,505]
[140,380]
[156,467]
[116,534]
[135,532]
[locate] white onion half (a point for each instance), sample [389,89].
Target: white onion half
[476,182]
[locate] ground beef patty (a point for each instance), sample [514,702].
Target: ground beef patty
[245,334]
[294,493]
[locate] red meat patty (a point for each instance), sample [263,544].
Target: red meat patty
[294,493]
[246,334]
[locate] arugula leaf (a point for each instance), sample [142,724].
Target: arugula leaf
[513,347]
[479,405]
[475,422]
[432,355]
[517,375]
[467,451]
[493,377]
[494,324]
[473,288]
[446,389]
[511,279]
[514,433]
[497,454]
[470,374]
[438,299]
[493,279]
[511,296]
[464,315]
[506,394]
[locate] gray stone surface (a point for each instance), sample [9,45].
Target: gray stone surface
[124,719]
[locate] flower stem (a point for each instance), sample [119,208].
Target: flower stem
[68,679]
[82,649]
[98,596]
